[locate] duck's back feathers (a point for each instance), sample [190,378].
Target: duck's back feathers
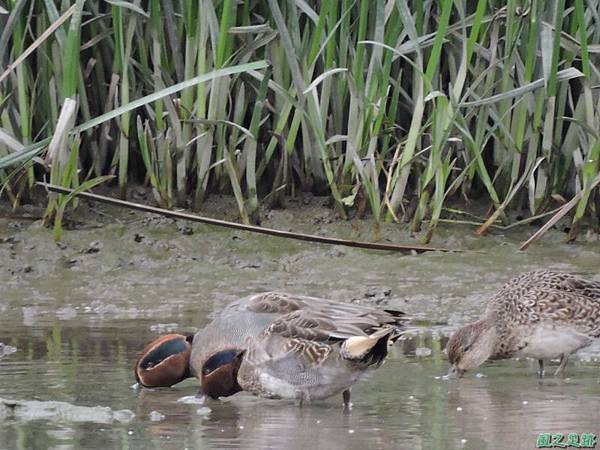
[541,280]
[546,296]
[321,319]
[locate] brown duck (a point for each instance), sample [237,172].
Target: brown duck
[276,345]
[541,315]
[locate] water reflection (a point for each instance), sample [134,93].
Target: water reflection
[406,404]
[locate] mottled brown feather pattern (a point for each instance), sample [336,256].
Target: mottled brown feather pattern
[316,318]
[544,295]
[314,353]
[533,302]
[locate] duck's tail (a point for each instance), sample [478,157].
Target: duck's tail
[369,350]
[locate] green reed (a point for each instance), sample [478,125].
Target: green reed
[400,107]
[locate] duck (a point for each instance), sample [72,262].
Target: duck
[276,345]
[542,314]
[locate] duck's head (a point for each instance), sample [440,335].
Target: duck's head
[219,373]
[165,361]
[470,346]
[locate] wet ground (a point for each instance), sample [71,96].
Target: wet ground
[77,314]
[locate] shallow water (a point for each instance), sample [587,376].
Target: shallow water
[78,314]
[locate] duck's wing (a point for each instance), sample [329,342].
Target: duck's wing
[572,308]
[580,286]
[321,319]
[523,292]
[574,303]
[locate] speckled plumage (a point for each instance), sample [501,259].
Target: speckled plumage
[295,346]
[541,314]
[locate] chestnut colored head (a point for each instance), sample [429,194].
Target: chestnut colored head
[219,373]
[470,346]
[165,361]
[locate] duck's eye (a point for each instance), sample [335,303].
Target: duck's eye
[467,347]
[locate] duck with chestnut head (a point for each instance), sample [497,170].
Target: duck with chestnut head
[541,314]
[276,345]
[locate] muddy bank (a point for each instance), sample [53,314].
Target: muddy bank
[112,263]
[304,213]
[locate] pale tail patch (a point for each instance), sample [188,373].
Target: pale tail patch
[357,347]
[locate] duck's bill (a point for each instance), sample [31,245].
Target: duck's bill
[455,372]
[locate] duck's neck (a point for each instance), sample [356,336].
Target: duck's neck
[488,341]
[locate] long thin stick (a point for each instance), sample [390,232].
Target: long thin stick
[251,228]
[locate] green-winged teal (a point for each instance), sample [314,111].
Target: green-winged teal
[276,345]
[541,315]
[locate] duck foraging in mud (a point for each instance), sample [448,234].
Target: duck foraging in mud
[541,315]
[276,345]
